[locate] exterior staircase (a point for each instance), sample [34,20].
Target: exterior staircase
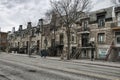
[77,53]
[109,51]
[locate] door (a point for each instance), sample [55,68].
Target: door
[38,42]
[85,40]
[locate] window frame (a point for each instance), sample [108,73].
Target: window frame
[101,21]
[85,24]
[117,40]
[101,38]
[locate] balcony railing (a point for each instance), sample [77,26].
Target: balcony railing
[83,30]
[114,24]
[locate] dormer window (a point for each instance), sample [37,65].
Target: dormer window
[101,21]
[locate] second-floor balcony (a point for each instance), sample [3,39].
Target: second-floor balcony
[83,30]
[115,25]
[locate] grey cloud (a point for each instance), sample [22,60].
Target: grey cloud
[16,12]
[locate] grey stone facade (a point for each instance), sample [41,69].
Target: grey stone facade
[97,27]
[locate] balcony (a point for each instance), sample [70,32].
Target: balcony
[115,26]
[83,30]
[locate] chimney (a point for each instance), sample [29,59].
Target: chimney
[40,23]
[20,27]
[13,29]
[29,25]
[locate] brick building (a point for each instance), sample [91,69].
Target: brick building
[3,41]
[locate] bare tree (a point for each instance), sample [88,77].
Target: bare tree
[48,14]
[70,11]
[114,2]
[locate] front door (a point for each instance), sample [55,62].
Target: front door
[85,40]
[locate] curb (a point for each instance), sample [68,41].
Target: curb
[85,63]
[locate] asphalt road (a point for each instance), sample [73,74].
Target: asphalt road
[14,67]
[10,71]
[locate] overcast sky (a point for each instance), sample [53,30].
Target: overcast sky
[16,12]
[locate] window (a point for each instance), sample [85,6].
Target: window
[117,35]
[61,38]
[101,21]
[85,40]
[85,25]
[118,40]
[72,38]
[101,38]
[23,43]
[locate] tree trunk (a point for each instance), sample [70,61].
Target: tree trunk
[68,44]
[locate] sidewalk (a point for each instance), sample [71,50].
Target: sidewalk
[85,61]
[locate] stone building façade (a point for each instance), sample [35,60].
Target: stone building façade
[99,31]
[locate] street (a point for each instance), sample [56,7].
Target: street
[21,67]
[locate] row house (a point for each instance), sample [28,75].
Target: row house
[95,35]
[24,39]
[100,30]
[51,37]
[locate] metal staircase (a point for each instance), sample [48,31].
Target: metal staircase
[109,51]
[76,53]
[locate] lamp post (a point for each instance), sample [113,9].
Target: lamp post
[0,40]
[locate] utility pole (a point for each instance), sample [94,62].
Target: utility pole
[54,29]
[0,39]
[41,30]
[29,26]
